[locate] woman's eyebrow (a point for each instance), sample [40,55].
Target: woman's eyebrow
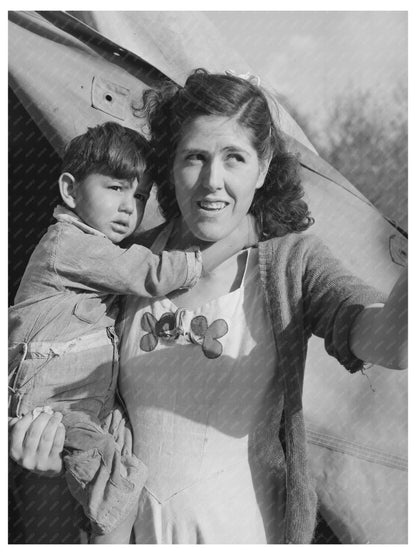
[235,148]
[193,150]
[144,190]
[228,148]
[143,186]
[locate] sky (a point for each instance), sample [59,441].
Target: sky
[312,56]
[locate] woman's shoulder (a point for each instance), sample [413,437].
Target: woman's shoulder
[297,251]
[292,244]
[302,252]
[296,255]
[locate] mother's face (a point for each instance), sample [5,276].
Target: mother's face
[216,172]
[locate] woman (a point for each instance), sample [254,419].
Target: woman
[212,378]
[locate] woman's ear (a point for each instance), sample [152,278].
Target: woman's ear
[264,168]
[68,189]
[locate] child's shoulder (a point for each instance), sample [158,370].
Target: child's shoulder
[58,230]
[63,239]
[51,234]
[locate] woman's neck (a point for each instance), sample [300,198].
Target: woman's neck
[182,238]
[223,266]
[225,278]
[215,253]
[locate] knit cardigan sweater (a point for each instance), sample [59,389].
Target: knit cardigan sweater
[307,291]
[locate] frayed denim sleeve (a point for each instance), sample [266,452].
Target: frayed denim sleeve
[93,263]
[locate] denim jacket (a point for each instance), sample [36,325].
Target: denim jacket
[75,275]
[63,351]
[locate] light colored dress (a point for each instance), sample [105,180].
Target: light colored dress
[194,402]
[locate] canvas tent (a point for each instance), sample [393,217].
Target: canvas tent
[68,71]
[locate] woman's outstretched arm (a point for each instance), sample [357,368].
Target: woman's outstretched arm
[379,333]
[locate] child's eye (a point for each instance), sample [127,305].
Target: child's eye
[115,188]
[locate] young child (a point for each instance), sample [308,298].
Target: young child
[62,341]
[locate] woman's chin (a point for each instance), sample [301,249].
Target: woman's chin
[204,232]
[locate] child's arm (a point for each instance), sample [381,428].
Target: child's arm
[96,264]
[379,333]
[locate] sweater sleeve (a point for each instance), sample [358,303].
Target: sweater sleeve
[93,263]
[333,298]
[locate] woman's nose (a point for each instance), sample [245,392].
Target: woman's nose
[213,178]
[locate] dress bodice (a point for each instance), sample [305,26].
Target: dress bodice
[196,384]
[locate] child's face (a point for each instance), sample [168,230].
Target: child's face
[113,206]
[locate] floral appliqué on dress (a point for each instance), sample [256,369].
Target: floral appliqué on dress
[169,328]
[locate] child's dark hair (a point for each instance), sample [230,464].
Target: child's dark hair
[278,205]
[109,149]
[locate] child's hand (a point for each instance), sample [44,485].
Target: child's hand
[243,236]
[37,443]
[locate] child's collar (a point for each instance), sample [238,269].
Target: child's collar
[63,214]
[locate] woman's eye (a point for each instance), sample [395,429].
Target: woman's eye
[236,156]
[195,157]
[140,197]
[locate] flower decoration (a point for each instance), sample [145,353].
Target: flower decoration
[169,328]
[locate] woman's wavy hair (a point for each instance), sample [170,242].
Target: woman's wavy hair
[277,206]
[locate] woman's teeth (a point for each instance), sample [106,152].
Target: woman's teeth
[205,205]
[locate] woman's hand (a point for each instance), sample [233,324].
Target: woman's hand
[37,443]
[379,333]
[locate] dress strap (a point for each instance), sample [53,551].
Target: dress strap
[250,270]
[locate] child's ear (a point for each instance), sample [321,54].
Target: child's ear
[68,189]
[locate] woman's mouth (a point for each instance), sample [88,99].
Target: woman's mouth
[212,206]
